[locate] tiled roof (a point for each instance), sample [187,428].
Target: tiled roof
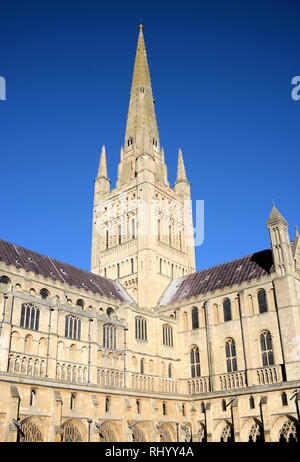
[227,274]
[19,257]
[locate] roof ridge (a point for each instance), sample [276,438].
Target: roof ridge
[54,259]
[226,262]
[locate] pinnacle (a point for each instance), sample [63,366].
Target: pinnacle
[181,174]
[102,165]
[275,216]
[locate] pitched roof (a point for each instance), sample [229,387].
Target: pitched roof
[12,254]
[227,274]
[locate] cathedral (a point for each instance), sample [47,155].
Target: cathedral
[143,348]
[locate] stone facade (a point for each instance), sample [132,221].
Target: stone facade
[143,348]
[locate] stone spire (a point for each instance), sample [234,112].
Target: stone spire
[102,172]
[181,174]
[141,128]
[275,217]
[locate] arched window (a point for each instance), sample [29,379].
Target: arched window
[140,328]
[170,371]
[80,303]
[72,327]
[109,311]
[158,229]
[109,336]
[262,301]
[107,240]
[230,355]
[195,318]
[132,266]
[266,349]
[251,402]
[32,397]
[72,401]
[227,309]
[223,405]
[44,293]
[133,228]
[142,366]
[120,234]
[30,317]
[4,280]
[195,362]
[284,399]
[167,335]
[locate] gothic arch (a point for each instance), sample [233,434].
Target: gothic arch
[253,429]
[110,432]
[201,433]
[141,432]
[33,429]
[222,431]
[72,431]
[285,428]
[167,433]
[42,347]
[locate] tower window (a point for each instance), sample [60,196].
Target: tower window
[107,240]
[230,355]
[132,266]
[251,402]
[262,301]
[195,362]
[142,366]
[118,270]
[130,141]
[133,228]
[266,349]
[107,404]
[164,408]
[142,90]
[227,309]
[195,318]
[138,406]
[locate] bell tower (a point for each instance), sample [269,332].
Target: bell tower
[142,229]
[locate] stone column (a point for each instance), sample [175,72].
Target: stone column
[265,417]
[235,420]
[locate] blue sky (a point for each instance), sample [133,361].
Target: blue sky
[221,75]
